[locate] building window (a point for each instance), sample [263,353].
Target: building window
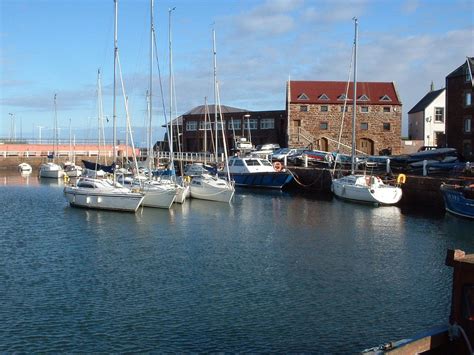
[439,114]
[467,125]
[234,124]
[303,108]
[191,125]
[364,126]
[207,124]
[385,98]
[468,75]
[364,109]
[267,123]
[466,148]
[347,108]
[220,124]
[323,97]
[386,126]
[363,98]
[324,108]
[303,96]
[250,123]
[386,109]
[342,97]
[323,126]
[468,98]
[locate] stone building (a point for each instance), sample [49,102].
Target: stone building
[316,109]
[460,109]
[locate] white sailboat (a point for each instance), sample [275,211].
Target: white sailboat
[51,169]
[207,186]
[362,187]
[24,168]
[102,193]
[70,167]
[158,194]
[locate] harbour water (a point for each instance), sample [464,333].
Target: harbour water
[271,272]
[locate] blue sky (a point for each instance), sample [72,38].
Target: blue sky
[56,46]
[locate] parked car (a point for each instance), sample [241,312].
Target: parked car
[312,156]
[265,150]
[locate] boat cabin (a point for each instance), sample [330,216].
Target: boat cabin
[238,165]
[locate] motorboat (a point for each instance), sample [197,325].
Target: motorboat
[212,188]
[72,170]
[51,170]
[257,172]
[102,194]
[459,200]
[366,188]
[24,168]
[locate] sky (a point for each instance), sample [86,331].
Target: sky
[50,47]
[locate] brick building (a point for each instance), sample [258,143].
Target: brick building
[460,109]
[259,127]
[315,112]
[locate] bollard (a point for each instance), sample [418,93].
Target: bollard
[425,170]
[388,166]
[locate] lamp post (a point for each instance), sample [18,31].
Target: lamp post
[39,131]
[12,126]
[247,116]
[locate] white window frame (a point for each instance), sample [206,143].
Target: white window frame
[468,98]
[191,126]
[234,124]
[326,110]
[267,123]
[467,125]
[252,122]
[438,115]
[209,125]
[364,109]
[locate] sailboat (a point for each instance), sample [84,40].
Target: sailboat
[158,193]
[51,169]
[103,193]
[207,186]
[362,187]
[70,167]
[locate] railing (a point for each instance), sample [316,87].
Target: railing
[192,157]
[27,154]
[300,132]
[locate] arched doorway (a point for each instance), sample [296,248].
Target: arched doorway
[366,145]
[323,144]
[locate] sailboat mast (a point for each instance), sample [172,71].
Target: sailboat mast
[353,158]
[215,87]
[55,144]
[171,138]
[114,113]
[150,105]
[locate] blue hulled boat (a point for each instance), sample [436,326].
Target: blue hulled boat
[459,200]
[257,172]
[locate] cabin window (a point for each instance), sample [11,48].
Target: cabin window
[250,123]
[238,162]
[364,126]
[386,109]
[364,109]
[386,126]
[235,124]
[439,114]
[267,123]
[191,125]
[324,108]
[252,162]
[265,163]
[467,125]
[323,125]
[468,98]
[195,182]
[304,108]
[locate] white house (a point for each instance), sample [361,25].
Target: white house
[426,120]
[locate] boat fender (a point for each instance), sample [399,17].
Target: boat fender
[401,179]
[65,178]
[277,166]
[187,179]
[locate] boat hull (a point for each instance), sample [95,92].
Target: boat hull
[456,201]
[272,180]
[50,170]
[383,195]
[103,201]
[159,197]
[211,194]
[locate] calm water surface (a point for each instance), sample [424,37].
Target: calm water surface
[271,272]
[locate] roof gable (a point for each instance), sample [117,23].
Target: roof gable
[303,96]
[426,101]
[330,92]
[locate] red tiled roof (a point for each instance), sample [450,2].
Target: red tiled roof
[375,91]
